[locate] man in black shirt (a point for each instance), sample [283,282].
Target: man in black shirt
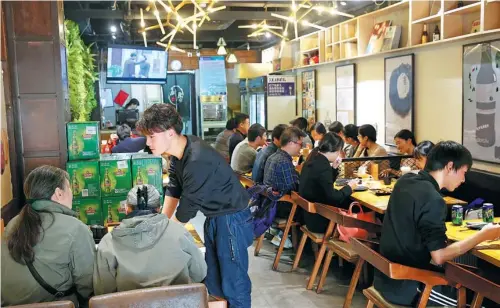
[414,231]
[242,122]
[201,180]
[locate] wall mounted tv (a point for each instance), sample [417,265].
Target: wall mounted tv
[134,64]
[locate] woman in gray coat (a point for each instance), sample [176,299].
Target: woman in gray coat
[46,239]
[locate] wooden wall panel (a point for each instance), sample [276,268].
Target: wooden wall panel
[3,34]
[35,62]
[33,162]
[32,18]
[40,131]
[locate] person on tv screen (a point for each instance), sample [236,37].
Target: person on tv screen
[129,66]
[144,67]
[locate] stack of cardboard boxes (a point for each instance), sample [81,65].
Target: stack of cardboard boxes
[83,169]
[100,187]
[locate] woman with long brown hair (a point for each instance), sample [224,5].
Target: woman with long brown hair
[48,254]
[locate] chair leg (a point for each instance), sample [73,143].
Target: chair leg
[461,298]
[370,304]
[317,264]
[424,297]
[258,245]
[324,271]
[353,283]
[299,251]
[284,237]
[477,301]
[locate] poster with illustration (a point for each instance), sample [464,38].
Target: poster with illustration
[309,96]
[399,101]
[481,99]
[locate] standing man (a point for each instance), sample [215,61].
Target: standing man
[201,180]
[242,122]
[129,66]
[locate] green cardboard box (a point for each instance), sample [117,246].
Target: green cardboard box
[84,178]
[116,178]
[83,140]
[147,169]
[89,211]
[114,208]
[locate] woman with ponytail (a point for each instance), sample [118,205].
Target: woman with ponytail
[48,254]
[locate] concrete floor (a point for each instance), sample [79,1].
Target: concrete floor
[285,289]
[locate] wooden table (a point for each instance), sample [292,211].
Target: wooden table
[379,203]
[459,233]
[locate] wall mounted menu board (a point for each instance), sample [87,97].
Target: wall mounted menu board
[213,88]
[345,93]
[309,96]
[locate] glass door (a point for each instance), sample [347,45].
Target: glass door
[260,109]
[253,108]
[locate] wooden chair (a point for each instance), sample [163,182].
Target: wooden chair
[470,280]
[396,271]
[316,238]
[190,295]
[285,225]
[59,304]
[341,248]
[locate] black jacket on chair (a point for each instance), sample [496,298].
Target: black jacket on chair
[316,185]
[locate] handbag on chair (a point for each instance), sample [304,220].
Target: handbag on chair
[346,233]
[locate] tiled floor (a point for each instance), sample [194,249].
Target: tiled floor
[285,289]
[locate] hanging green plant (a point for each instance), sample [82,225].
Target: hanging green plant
[81,74]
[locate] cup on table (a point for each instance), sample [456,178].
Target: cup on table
[405,170]
[387,180]
[361,170]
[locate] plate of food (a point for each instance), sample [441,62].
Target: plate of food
[360,188]
[383,191]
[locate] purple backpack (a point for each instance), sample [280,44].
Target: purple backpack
[263,207]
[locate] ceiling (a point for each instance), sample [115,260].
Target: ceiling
[96,17]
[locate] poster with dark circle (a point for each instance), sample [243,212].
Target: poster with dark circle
[481,100]
[399,101]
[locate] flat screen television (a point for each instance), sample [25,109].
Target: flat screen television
[134,64]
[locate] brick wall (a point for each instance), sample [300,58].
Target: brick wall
[192,63]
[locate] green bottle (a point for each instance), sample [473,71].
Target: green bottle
[75,185]
[107,182]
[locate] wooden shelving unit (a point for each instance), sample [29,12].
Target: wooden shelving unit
[349,40]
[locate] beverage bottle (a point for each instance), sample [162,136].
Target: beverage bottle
[138,179]
[485,100]
[107,182]
[425,35]
[75,185]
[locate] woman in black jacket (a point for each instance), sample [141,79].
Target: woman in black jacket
[316,180]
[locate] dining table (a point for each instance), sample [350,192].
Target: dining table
[378,204]
[487,251]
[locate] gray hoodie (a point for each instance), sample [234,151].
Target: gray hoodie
[144,252]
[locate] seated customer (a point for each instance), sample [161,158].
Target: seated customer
[280,173]
[301,123]
[368,147]
[405,142]
[245,152]
[317,132]
[414,231]
[47,237]
[350,133]
[133,255]
[338,129]
[265,153]
[242,123]
[316,181]
[127,144]
[222,140]
[421,152]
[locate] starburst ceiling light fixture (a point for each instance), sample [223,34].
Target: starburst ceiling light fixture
[189,23]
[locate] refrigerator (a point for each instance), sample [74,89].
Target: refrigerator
[179,91]
[257,101]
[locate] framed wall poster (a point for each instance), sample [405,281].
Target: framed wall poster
[309,96]
[481,100]
[345,93]
[399,95]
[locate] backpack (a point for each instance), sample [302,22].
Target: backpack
[263,207]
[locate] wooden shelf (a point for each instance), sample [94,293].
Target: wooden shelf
[471,8]
[491,1]
[427,20]
[310,50]
[352,39]
[388,10]
[403,49]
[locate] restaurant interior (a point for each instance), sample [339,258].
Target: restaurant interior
[398,100]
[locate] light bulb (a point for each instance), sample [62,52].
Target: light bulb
[343,3]
[268,35]
[113,29]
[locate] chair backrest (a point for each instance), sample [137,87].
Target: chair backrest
[245,181]
[329,212]
[191,295]
[472,281]
[370,227]
[303,203]
[395,270]
[59,304]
